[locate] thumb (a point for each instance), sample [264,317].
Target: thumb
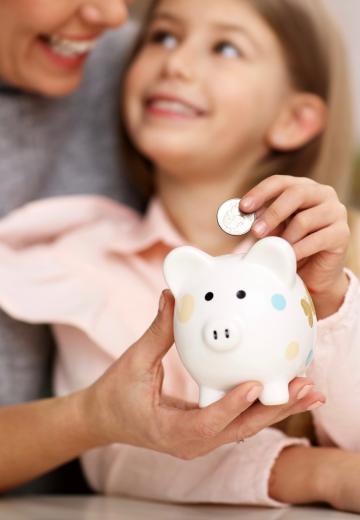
[159,337]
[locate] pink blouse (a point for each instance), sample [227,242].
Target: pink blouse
[93,270]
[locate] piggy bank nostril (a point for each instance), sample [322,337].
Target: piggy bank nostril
[222,334]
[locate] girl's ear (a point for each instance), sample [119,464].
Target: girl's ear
[302,118]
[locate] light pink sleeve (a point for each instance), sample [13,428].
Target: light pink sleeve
[232,474]
[336,372]
[37,285]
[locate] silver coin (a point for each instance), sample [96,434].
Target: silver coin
[232,220]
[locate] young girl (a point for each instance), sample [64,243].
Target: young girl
[219,96]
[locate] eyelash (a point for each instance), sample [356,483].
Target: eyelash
[223,44]
[158,37]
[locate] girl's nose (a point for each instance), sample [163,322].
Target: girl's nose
[180,63]
[105,13]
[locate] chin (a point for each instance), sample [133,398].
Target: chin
[57,87]
[161,145]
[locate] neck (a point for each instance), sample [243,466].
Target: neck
[192,205]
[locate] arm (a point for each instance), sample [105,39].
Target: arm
[336,371]
[45,434]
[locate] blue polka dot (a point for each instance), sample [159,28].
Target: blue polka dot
[279,302]
[309,358]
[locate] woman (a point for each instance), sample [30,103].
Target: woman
[49,145]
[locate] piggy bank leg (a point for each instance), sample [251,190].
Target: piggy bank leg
[209,395]
[275,392]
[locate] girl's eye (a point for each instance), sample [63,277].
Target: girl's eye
[164,38]
[227,49]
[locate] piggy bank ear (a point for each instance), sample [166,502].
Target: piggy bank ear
[182,264]
[275,254]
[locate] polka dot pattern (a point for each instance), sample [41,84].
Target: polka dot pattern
[278,302]
[185,308]
[292,351]
[309,358]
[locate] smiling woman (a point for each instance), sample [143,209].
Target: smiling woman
[55,144]
[43,48]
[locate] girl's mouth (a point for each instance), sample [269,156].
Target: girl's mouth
[65,51]
[168,106]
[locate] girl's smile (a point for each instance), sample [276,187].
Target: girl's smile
[208,81]
[170,106]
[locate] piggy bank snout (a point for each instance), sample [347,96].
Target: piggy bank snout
[222,334]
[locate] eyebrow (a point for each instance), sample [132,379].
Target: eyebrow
[229,27]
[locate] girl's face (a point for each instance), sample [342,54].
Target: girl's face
[44,43]
[207,84]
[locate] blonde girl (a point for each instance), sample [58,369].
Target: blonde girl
[219,97]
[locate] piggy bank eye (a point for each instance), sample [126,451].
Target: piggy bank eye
[209,296]
[241,295]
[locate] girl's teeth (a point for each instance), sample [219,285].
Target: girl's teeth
[174,106]
[69,48]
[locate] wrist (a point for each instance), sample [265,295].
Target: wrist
[299,475]
[87,422]
[329,301]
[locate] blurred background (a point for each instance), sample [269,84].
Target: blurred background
[347,13]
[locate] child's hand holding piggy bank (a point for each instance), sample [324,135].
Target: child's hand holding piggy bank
[241,318]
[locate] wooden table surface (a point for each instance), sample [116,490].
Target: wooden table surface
[110,508]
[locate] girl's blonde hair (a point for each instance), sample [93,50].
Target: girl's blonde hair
[317,63]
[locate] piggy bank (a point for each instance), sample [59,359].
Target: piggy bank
[241,317]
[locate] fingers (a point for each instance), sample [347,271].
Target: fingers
[288,204]
[310,220]
[208,422]
[259,416]
[289,195]
[193,433]
[159,337]
[269,189]
[333,239]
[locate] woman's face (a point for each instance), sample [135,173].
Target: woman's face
[44,43]
[207,84]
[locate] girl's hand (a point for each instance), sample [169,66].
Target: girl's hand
[312,219]
[304,475]
[126,404]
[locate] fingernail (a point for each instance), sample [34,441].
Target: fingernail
[162,302]
[304,391]
[254,393]
[247,203]
[260,227]
[314,406]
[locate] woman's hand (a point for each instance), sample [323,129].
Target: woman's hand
[126,404]
[312,219]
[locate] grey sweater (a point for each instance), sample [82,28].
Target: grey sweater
[52,147]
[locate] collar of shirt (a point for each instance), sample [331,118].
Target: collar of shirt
[155,227]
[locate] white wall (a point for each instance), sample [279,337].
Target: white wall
[347,13]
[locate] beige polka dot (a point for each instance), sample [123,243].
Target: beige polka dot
[292,351]
[311,302]
[308,311]
[185,308]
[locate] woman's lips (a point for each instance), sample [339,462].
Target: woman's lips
[68,53]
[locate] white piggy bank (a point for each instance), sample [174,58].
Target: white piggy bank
[241,317]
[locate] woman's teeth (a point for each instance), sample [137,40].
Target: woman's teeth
[69,48]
